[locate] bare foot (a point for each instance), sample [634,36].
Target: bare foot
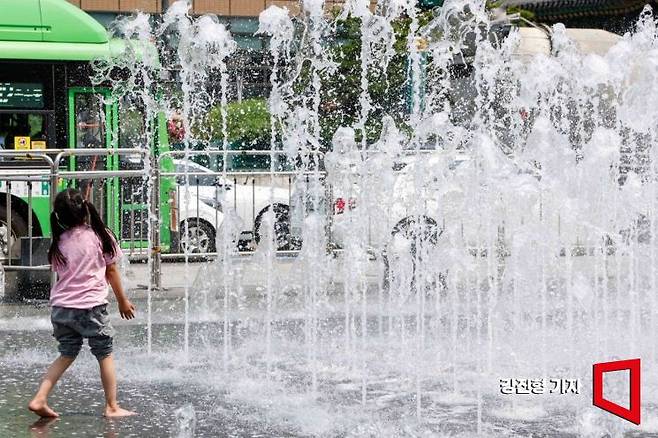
[41,408]
[117,412]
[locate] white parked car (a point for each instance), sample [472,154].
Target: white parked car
[389,195]
[384,199]
[205,197]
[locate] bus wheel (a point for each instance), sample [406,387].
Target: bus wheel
[18,230]
[197,237]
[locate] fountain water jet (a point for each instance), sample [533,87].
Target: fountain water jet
[502,228]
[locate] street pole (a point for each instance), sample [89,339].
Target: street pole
[154,223]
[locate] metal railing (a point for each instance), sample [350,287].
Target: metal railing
[8,177]
[206,196]
[250,193]
[199,196]
[45,168]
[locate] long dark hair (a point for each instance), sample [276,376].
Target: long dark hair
[71,209]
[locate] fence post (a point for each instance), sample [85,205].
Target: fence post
[54,170]
[154,224]
[29,220]
[329,226]
[10,240]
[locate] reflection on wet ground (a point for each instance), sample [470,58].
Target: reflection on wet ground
[79,401]
[78,397]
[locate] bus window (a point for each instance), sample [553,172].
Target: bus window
[90,121]
[23,131]
[90,134]
[132,131]
[133,190]
[25,120]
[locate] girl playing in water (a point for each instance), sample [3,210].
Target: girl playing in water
[84,254]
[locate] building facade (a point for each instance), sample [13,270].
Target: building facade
[240,16]
[228,8]
[248,69]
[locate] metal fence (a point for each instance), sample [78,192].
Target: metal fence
[16,183]
[29,182]
[199,202]
[204,197]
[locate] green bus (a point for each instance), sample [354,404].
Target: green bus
[47,101]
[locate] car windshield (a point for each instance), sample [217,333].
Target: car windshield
[197,177]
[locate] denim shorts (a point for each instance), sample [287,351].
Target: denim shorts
[70,326]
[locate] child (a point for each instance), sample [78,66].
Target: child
[84,255]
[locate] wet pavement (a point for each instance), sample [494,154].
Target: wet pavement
[165,386]
[78,397]
[79,401]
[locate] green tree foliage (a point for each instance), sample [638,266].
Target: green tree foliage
[387,87]
[247,123]
[247,128]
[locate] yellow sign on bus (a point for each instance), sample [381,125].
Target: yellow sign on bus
[22,143]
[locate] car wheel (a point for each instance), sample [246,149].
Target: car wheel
[197,237]
[418,230]
[13,235]
[284,241]
[415,231]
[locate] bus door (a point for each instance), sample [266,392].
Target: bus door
[133,191]
[92,120]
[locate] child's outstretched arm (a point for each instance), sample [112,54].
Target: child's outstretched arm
[126,308]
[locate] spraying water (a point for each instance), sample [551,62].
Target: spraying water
[2,281]
[497,222]
[185,421]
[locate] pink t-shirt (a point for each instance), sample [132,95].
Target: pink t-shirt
[81,283]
